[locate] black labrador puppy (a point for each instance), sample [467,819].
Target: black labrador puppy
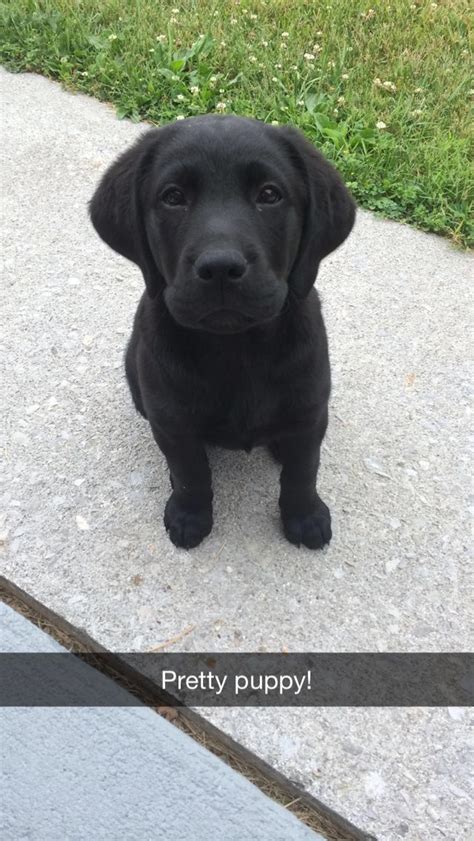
[228,220]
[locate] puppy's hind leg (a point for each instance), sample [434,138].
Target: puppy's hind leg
[132,377]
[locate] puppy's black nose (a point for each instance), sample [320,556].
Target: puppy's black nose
[220,266]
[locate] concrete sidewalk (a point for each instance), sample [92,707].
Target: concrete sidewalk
[118,771]
[85,484]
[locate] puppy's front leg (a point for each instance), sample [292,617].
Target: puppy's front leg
[188,512]
[306,519]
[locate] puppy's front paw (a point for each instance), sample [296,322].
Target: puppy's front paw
[312,530]
[186,528]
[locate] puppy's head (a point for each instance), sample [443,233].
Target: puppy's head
[225,216]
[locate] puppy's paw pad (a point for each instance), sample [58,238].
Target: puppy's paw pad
[186,529]
[311,530]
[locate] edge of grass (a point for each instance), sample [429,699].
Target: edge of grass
[383,92]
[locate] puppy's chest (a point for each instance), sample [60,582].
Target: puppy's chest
[243,406]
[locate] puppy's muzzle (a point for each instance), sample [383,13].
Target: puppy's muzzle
[220,273]
[220,268]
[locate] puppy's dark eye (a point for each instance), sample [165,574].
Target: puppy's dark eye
[269,195]
[173,197]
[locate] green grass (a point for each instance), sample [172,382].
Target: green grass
[156,64]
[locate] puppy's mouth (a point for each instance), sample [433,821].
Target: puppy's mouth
[226,321]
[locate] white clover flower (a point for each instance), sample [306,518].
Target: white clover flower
[418,90]
[233,21]
[161,39]
[253,17]
[309,56]
[252,58]
[380,125]
[275,123]
[300,102]
[213,79]
[173,19]
[293,67]
[331,64]
[390,86]
[336,111]
[261,65]
[223,43]
[278,66]
[264,43]
[285,34]
[151,51]
[180,117]
[317,48]
[274,79]
[113,37]
[283,46]
[175,11]
[345,76]
[341,100]
[180,97]
[221,106]
[194,89]
[319,32]
[417,112]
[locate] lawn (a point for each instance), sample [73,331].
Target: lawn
[383,90]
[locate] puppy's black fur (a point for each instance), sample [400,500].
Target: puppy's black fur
[228,220]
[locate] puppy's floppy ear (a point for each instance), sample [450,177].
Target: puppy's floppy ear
[329,214]
[116,208]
